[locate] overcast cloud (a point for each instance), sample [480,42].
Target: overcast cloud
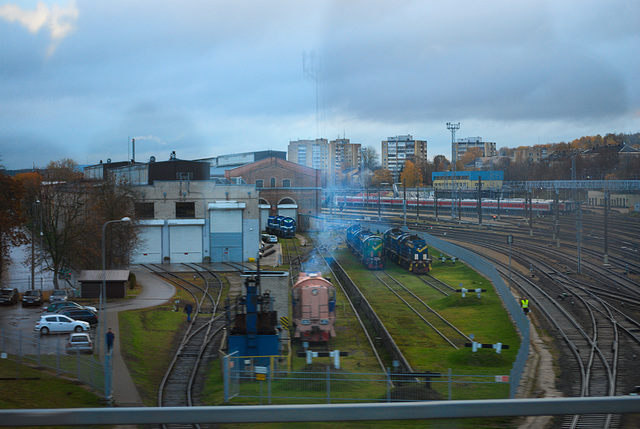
[79,79]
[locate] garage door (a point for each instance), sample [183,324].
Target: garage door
[185,243]
[288,210]
[149,250]
[226,235]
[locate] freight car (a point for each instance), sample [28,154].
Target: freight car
[367,246]
[281,226]
[407,250]
[314,308]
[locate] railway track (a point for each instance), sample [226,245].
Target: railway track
[589,326]
[441,326]
[200,340]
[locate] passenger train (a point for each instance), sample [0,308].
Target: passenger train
[507,205]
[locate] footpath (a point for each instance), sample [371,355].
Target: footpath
[154,292]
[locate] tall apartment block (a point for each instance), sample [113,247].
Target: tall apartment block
[463,145]
[329,157]
[397,150]
[310,153]
[343,155]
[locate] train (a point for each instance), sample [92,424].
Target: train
[366,246]
[313,300]
[508,205]
[407,250]
[281,226]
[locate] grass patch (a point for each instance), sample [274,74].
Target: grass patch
[148,339]
[24,387]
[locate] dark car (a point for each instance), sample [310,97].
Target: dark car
[9,296]
[81,314]
[32,297]
[58,306]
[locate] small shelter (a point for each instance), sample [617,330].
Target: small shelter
[115,281]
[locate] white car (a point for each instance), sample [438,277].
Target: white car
[79,342]
[60,323]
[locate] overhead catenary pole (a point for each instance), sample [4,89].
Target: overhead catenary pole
[454,157]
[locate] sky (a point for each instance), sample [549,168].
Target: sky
[80,79]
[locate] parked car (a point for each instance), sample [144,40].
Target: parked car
[273,239]
[32,297]
[59,323]
[9,296]
[57,306]
[58,295]
[80,314]
[79,342]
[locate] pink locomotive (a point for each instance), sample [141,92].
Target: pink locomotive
[314,308]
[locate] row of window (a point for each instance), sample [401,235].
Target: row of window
[184,210]
[286,183]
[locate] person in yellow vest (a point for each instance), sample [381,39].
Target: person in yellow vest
[525,306]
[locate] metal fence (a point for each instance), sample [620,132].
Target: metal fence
[50,352]
[246,382]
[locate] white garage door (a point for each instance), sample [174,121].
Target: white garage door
[149,250]
[185,243]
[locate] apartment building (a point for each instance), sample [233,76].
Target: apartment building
[397,150]
[463,145]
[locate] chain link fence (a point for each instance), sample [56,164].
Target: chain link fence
[50,352]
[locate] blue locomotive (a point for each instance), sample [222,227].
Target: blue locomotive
[281,226]
[407,250]
[367,246]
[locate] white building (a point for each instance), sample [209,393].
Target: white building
[196,221]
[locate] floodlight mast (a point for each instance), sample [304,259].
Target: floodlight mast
[454,157]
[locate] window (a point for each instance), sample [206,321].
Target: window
[259,183]
[144,211]
[185,210]
[286,183]
[273,182]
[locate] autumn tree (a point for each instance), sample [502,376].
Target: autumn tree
[11,218]
[470,155]
[411,175]
[381,176]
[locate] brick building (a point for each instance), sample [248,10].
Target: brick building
[284,187]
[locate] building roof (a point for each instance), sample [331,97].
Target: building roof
[110,275]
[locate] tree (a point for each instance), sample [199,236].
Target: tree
[381,176]
[470,155]
[441,163]
[11,218]
[411,175]
[370,157]
[73,214]
[62,170]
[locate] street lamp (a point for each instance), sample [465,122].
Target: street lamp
[103,289]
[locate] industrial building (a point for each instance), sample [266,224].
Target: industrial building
[185,217]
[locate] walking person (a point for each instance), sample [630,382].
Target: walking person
[525,306]
[109,336]
[188,309]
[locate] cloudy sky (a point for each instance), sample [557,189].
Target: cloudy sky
[79,79]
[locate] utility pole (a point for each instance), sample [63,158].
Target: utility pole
[606,223]
[454,157]
[579,237]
